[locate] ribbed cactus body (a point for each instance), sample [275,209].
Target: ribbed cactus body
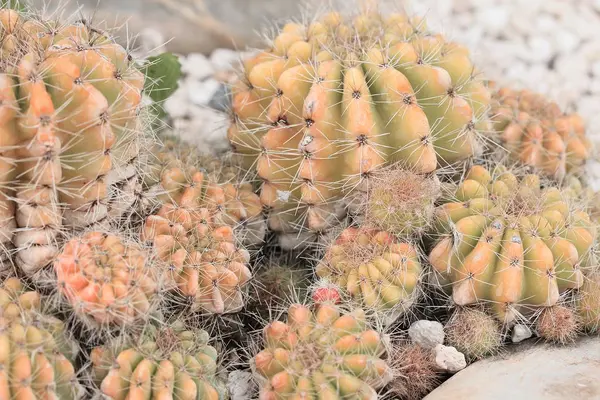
[37,355]
[374,268]
[325,353]
[332,102]
[203,262]
[70,102]
[171,362]
[509,241]
[106,280]
[538,134]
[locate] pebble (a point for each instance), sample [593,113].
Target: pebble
[196,66]
[427,334]
[449,359]
[520,332]
[240,385]
[200,93]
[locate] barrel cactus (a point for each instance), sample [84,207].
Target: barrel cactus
[326,353]
[176,175]
[203,262]
[332,101]
[508,241]
[166,362]
[375,269]
[37,354]
[70,99]
[107,280]
[537,133]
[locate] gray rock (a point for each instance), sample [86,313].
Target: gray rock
[221,100]
[427,334]
[530,371]
[241,386]
[520,332]
[449,359]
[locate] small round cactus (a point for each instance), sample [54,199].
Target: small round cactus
[398,201]
[558,324]
[415,372]
[167,362]
[509,241]
[374,268]
[325,353]
[202,260]
[107,280]
[473,332]
[538,134]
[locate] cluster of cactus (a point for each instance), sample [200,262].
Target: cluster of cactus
[357,128]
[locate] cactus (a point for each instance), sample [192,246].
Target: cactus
[37,353]
[374,268]
[558,324]
[588,304]
[509,242]
[538,134]
[168,362]
[191,181]
[107,280]
[202,260]
[70,98]
[330,103]
[398,201]
[473,332]
[326,353]
[415,372]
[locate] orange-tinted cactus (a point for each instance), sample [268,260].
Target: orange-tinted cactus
[538,134]
[69,125]
[331,102]
[326,353]
[508,241]
[107,280]
[203,261]
[374,268]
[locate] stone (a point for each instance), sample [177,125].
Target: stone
[494,19]
[529,371]
[224,59]
[427,334]
[200,93]
[449,359]
[177,105]
[241,385]
[196,66]
[520,332]
[221,100]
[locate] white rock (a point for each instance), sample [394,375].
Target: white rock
[520,332]
[494,19]
[177,105]
[566,41]
[224,59]
[200,93]
[196,66]
[449,359]
[241,385]
[540,49]
[427,334]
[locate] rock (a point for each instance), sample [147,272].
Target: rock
[427,334]
[196,66]
[241,385]
[207,130]
[529,371]
[449,359]
[224,59]
[200,93]
[520,332]
[177,105]
[221,100]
